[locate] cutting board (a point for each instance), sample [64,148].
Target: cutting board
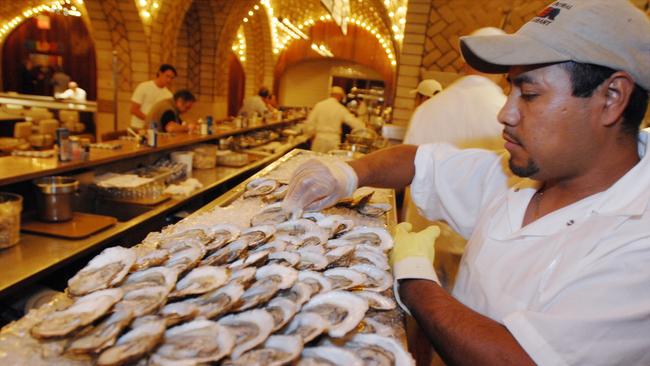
[80,226]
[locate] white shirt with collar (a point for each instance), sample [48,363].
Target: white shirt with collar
[573,287]
[325,119]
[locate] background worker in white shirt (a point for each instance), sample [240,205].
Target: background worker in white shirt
[73,92]
[256,103]
[426,89]
[465,113]
[556,270]
[326,118]
[150,92]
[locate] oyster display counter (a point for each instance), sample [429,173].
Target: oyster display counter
[237,282]
[37,256]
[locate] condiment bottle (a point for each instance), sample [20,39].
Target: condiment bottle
[63,143]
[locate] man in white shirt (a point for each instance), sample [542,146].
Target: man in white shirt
[150,92]
[326,118]
[465,113]
[73,92]
[256,104]
[556,269]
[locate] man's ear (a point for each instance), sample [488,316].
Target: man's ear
[619,87]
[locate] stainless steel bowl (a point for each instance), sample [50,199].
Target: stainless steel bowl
[54,198]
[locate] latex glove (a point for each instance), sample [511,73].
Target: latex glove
[413,252]
[319,183]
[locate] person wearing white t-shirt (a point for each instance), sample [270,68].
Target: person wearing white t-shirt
[150,92]
[74,92]
[326,118]
[556,268]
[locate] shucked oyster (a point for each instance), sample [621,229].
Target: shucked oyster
[201,280]
[186,259]
[301,232]
[219,301]
[250,328]
[343,310]
[134,344]
[144,301]
[148,257]
[105,270]
[252,259]
[282,310]
[103,335]
[227,254]
[374,209]
[260,187]
[276,351]
[373,236]
[377,301]
[376,279]
[183,240]
[299,293]
[316,280]
[335,225]
[257,235]
[172,314]
[328,356]
[345,278]
[270,215]
[195,342]
[270,279]
[154,276]
[222,234]
[379,350]
[307,325]
[82,312]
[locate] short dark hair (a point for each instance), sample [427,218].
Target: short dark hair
[585,78]
[263,92]
[184,94]
[165,67]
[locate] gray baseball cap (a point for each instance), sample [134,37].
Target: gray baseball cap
[611,33]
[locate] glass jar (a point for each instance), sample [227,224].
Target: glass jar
[10,207]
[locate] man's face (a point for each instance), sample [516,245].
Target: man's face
[184,105]
[549,133]
[165,78]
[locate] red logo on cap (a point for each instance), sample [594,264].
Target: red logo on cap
[549,13]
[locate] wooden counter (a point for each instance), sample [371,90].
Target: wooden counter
[36,255]
[15,169]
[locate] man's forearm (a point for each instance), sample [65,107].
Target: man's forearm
[460,335]
[387,168]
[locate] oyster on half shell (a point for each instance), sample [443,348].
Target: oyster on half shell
[343,310]
[250,329]
[195,342]
[376,279]
[276,351]
[379,350]
[328,356]
[144,301]
[102,335]
[201,280]
[307,325]
[82,312]
[282,310]
[260,187]
[219,301]
[154,276]
[134,344]
[345,278]
[373,236]
[105,270]
[271,215]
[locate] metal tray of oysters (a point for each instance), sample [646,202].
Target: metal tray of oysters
[238,282]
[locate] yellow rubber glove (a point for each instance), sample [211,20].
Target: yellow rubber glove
[413,252]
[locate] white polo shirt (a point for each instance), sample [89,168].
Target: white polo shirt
[572,287]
